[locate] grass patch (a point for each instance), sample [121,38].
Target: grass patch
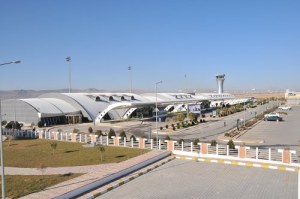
[21,185]
[33,153]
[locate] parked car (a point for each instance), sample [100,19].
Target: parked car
[273,118]
[285,108]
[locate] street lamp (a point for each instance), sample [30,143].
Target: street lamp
[1,144]
[156,110]
[68,59]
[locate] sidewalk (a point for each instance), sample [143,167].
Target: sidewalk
[97,175]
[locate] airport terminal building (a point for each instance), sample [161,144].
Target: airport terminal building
[72,108]
[292,98]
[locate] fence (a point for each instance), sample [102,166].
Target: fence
[206,150]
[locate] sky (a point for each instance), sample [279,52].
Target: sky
[256,44]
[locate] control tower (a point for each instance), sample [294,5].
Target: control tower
[220,81]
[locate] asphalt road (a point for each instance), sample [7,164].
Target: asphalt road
[189,179]
[214,128]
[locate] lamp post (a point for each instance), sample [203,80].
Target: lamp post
[1,144]
[156,110]
[130,78]
[68,59]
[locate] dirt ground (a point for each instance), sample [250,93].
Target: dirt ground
[261,95]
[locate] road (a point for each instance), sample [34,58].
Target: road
[216,127]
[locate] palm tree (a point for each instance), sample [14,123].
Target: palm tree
[102,150]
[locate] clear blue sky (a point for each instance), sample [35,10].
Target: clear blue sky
[255,43]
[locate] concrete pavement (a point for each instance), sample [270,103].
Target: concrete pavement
[189,179]
[100,175]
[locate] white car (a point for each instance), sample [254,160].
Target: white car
[285,108]
[272,115]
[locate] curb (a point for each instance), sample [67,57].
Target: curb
[128,179]
[98,183]
[247,164]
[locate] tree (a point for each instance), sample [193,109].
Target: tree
[13,125]
[180,117]
[98,132]
[167,126]
[180,141]
[133,137]
[167,137]
[101,149]
[123,135]
[3,123]
[111,133]
[213,143]
[90,130]
[231,144]
[40,124]
[53,146]
[10,138]
[196,141]
[191,116]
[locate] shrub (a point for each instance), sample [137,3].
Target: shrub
[180,117]
[174,128]
[213,143]
[180,141]
[196,141]
[90,130]
[13,125]
[98,132]
[111,133]
[123,135]
[53,145]
[231,144]
[178,125]
[40,124]
[161,128]
[75,130]
[191,116]
[167,137]
[134,139]
[167,126]
[226,134]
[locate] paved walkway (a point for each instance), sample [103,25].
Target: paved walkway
[94,173]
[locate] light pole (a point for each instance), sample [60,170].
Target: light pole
[244,113]
[130,78]
[185,83]
[1,144]
[68,59]
[156,110]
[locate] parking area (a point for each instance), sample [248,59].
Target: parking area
[284,133]
[190,179]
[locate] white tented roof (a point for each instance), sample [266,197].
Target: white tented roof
[50,106]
